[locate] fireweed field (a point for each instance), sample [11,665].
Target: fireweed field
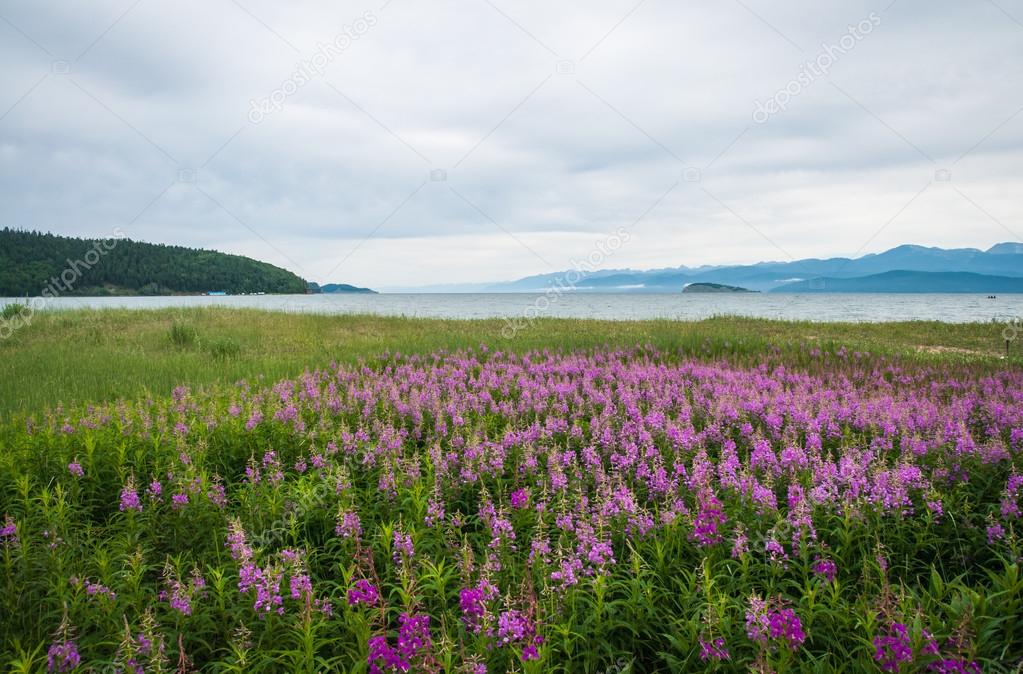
[602,510]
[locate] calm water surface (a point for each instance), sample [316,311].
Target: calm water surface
[822,307]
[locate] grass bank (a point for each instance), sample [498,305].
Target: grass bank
[80,357]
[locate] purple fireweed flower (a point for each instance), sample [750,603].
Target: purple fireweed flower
[599,553]
[144,644]
[516,629]
[272,467]
[472,601]
[413,648]
[709,519]
[473,607]
[776,551]
[96,589]
[178,600]
[519,498]
[713,649]
[62,656]
[240,550]
[349,526]
[76,469]
[756,620]
[826,568]
[882,563]
[404,551]
[1010,508]
[1014,484]
[601,448]
[181,603]
[383,658]
[254,420]
[773,626]
[568,572]
[413,635]
[363,592]
[434,512]
[740,545]
[179,501]
[9,531]
[267,582]
[216,494]
[540,550]
[180,594]
[954,666]
[894,648]
[301,586]
[130,497]
[784,626]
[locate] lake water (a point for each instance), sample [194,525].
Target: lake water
[816,307]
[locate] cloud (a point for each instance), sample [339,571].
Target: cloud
[550,127]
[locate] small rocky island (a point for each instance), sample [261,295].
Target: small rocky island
[337,288]
[714,288]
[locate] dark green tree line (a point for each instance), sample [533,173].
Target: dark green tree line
[31,262]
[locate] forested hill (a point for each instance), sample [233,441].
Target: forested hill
[31,262]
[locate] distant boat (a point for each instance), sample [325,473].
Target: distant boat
[992,297]
[215,292]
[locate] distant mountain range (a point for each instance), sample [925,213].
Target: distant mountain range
[904,269]
[910,282]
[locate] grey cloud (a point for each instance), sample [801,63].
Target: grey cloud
[554,160]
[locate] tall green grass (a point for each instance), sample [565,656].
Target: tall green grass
[84,356]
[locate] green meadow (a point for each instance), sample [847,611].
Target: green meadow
[79,357]
[240,491]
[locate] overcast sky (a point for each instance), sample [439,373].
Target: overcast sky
[478,140]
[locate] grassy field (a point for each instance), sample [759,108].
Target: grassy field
[744,496]
[79,357]
[727,495]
